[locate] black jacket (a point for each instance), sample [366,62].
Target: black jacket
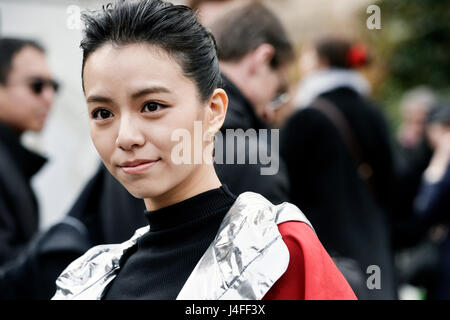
[33,273]
[19,217]
[104,213]
[109,212]
[247,177]
[350,220]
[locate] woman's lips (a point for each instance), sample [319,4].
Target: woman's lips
[137,166]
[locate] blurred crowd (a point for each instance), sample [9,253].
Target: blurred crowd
[375,198]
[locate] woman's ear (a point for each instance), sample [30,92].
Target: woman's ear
[217,110]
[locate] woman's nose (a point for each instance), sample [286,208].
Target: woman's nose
[129,135]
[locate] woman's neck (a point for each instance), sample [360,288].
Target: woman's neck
[203,180]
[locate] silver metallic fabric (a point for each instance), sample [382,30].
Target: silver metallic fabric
[87,277]
[246,258]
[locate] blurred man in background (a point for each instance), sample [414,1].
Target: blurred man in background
[27,91]
[255,55]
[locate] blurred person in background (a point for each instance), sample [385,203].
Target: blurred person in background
[211,10]
[27,91]
[255,55]
[414,109]
[428,264]
[340,162]
[31,262]
[433,201]
[413,154]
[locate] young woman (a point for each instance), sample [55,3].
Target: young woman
[150,74]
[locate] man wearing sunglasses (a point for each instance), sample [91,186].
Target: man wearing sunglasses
[26,95]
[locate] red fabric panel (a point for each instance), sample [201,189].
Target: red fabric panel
[311,274]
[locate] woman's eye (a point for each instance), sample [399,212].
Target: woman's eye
[101,114]
[152,107]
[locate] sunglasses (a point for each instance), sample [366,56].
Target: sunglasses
[37,85]
[279,100]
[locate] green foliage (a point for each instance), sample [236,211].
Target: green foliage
[422,52]
[412,48]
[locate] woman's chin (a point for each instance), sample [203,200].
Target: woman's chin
[147,193]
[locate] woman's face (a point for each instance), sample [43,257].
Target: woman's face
[137,96]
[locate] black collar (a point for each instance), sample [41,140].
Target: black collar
[190,210]
[241,113]
[26,160]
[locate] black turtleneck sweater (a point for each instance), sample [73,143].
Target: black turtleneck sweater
[161,262]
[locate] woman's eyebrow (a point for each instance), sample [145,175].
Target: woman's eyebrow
[98,99]
[149,90]
[138,94]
